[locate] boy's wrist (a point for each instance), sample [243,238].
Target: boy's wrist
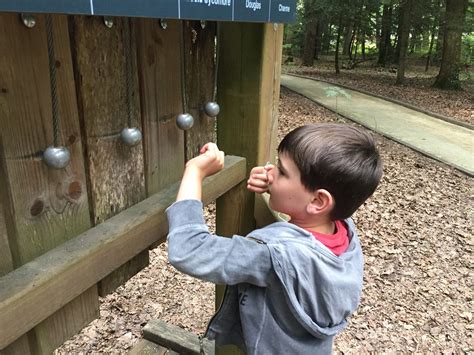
[194,172]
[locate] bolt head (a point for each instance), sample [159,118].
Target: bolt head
[212,109]
[131,136]
[28,20]
[56,157]
[108,21]
[184,121]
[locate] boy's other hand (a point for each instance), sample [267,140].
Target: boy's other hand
[259,179]
[209,162]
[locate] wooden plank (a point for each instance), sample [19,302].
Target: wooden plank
[116,171]
[176,338]
[160,95]
[21,345]
[200,71]
[6,261]
[249,70]
[53,328]
[32,292]
[146,347]
[47,206]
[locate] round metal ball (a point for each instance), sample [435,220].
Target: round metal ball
[212,109]
[56,157]
[131,136]
[184,121]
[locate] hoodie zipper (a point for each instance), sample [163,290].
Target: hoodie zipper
[218,310]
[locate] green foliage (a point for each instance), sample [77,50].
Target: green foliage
[467,49]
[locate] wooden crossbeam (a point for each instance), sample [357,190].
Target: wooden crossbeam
[176,338]
[37,289]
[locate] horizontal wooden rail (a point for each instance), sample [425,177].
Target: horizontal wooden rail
[31,293]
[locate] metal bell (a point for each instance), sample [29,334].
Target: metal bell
[184,121]
[131,136]
[56,157]
[212,109]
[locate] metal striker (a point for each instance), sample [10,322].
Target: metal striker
[56,157]
[131,136]
[212,109]
[184,121]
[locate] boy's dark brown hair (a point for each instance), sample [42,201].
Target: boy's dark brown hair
[339,158]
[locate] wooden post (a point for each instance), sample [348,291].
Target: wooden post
[115,170]
[248,93]
[45,207]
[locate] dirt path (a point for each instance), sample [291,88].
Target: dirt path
[416,233]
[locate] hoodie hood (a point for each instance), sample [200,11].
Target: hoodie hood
[322,290]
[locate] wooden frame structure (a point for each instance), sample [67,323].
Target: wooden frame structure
[69,235]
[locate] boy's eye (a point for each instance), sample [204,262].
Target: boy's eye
[280,171]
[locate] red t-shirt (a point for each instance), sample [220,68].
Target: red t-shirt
[337,242]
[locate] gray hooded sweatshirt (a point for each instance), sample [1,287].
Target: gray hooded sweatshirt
[287,293]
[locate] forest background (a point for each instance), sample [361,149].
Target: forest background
[437,33]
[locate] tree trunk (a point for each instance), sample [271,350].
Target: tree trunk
[385,34]
[428,57]
[338,40]
[448,77]
[404,30]
[319,37]
[309,49]
[326,42]
[348,36]
[362,46]
[441,28]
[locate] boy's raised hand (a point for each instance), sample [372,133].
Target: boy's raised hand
[209,162]
[259,179]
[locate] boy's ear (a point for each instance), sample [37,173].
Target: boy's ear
[322,202]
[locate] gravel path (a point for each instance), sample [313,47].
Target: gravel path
[416,233]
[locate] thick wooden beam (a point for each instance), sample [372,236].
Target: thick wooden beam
[37,289]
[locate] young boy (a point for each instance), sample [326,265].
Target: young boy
[292,285]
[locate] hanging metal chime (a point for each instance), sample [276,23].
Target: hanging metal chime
[130,136]
[212,108]
[55,156]
[184,120]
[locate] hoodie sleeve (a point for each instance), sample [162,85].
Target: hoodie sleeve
[196,252]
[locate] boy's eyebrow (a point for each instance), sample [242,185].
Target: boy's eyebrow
[280,165]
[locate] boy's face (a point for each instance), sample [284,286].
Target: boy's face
[287,193]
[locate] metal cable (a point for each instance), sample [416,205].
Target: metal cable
[216,63]
[183,70]
[52,78]
[128,68]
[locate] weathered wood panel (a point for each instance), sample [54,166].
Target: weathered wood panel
[21,345]
[47,207]
[116,171]
[35,290]
[199,45]
[6,261]
[160,94]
